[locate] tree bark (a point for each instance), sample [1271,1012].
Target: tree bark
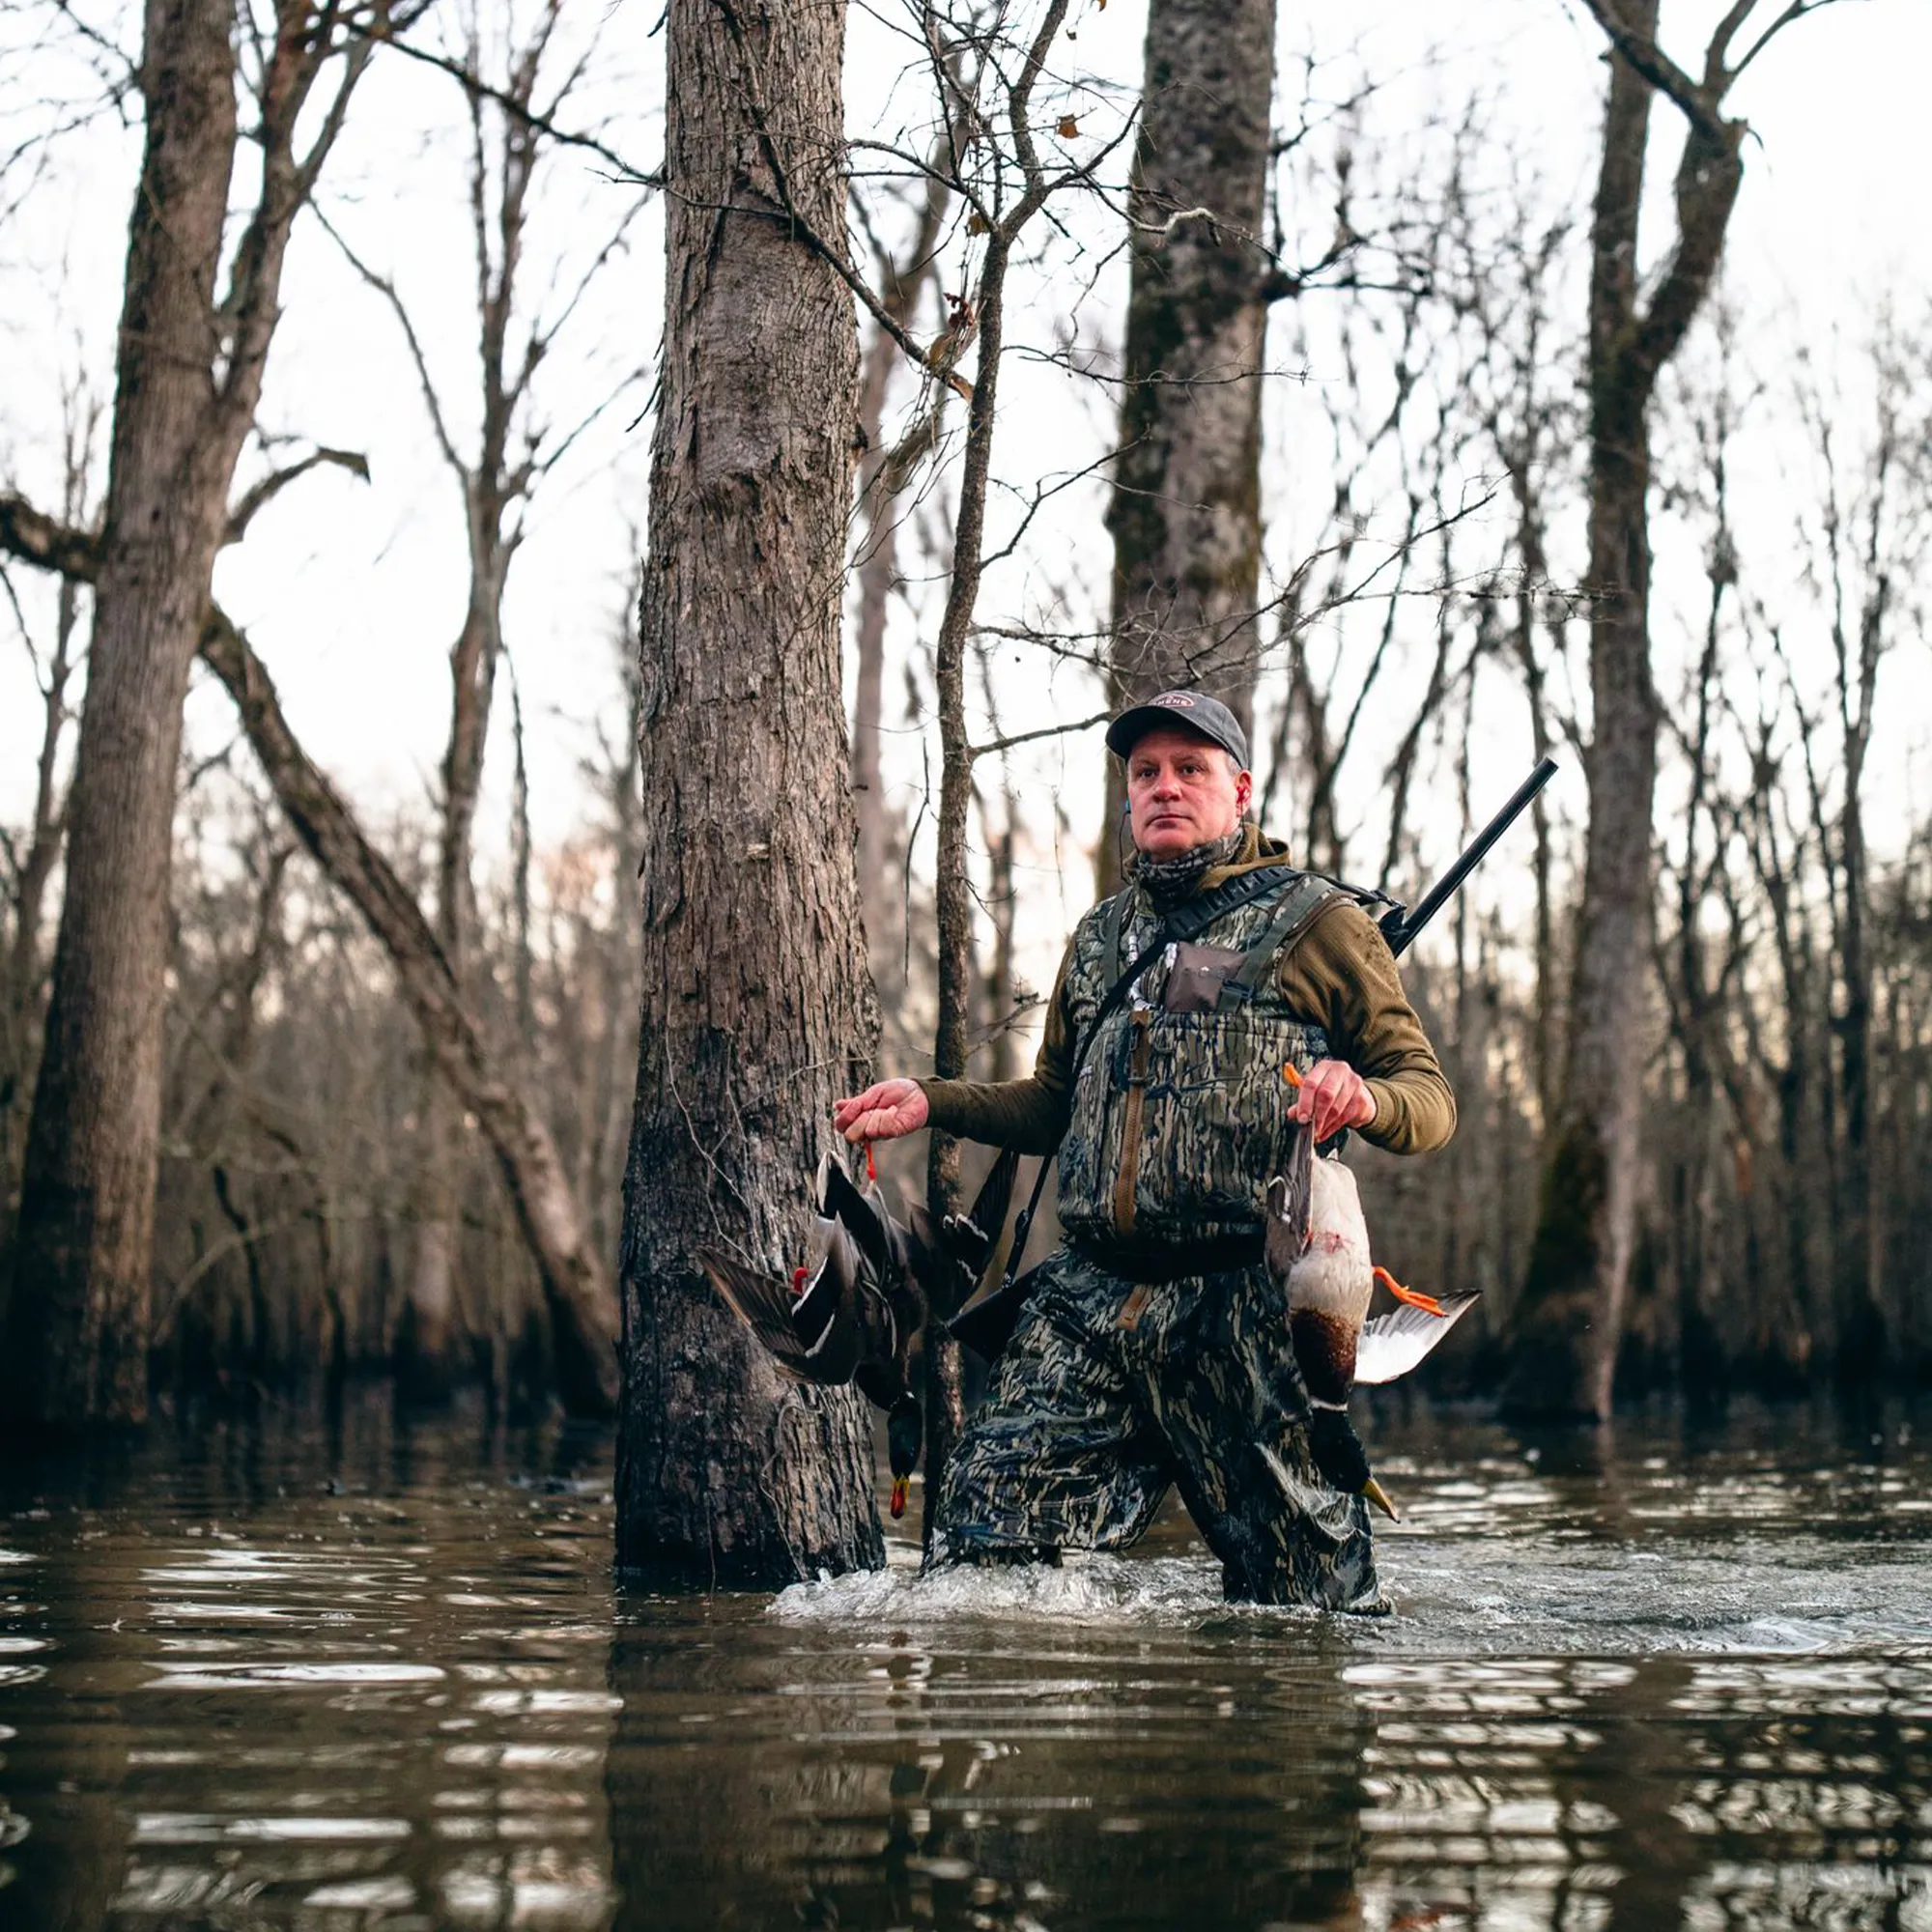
[757,1009]
[188,376]
[1185,516]
[1570,1321]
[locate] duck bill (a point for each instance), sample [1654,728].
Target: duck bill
[899,1503]
[1380,1496]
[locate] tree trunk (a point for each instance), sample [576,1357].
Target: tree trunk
[20,976]
[1570,1322]
[883,474]
[187,378]
[426,1365]
[1185,516]
[75,1348]
[757,1009]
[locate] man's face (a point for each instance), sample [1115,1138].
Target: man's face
[1182,792]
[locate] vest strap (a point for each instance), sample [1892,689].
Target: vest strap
[1293,916]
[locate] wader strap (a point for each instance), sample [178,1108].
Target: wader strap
[1299,907]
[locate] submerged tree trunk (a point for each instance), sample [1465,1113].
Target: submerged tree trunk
[1570,1322]
[75,1351]
[21,968]
[188,376]
[578,1292]
[757,1009]
[426,1363]
[1185,516]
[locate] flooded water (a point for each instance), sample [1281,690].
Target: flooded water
[275,1677]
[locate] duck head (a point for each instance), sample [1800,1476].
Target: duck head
[905,1434]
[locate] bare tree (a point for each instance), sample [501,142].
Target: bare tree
[756,1004]
[885,471]
[512,122]
[1186,515]
[583,1305]
[188,376]
[1866,551]
[1571,1317]
[31,862]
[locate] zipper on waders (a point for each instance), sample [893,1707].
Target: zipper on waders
[1142,1018]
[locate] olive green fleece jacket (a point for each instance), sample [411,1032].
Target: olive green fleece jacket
[1340,974]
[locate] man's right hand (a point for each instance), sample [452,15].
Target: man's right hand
[883,1112]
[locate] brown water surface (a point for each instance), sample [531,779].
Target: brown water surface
[278,1675]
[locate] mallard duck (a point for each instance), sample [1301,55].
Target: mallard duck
[850,1311]
[1317,1248]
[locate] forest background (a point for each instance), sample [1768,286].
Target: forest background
[445,472]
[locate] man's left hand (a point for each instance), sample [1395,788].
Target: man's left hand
[1332,1096]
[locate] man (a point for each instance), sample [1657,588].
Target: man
[1153,1347]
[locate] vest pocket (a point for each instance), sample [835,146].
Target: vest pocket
[1213,1125]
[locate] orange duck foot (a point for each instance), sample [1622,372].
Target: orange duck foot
[1428,1303]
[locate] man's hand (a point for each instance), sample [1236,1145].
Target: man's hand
[883,1112]
[1332,1096]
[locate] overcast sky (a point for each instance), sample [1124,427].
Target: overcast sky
[353,592]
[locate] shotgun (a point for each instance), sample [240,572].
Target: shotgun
[1400,926]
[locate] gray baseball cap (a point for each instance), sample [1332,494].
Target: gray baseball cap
[1192,710]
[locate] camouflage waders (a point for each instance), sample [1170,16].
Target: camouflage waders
[1112,1389]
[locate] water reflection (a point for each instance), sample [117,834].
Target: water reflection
[275,1693]
[383,1682]
[985,1777]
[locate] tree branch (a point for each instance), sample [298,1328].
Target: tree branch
[38,539]
[1641,52]
[386,289]
[277,481]
[532,118]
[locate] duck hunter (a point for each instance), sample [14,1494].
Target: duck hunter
[1150,1347]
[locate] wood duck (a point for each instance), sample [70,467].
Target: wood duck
[1317,1248]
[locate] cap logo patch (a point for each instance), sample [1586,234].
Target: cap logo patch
[1175,701]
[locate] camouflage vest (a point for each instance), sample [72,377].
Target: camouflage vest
[1178,1112]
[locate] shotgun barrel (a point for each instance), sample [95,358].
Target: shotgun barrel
[1400,927]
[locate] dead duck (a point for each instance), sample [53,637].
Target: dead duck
[1317,1244]
[945,1262]
[849,1313]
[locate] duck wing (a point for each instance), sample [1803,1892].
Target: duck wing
[829,1313]
[815,1330]
[1391,1344]
[763,1303]
[865,1214]
[895,1256]
[972,1238]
